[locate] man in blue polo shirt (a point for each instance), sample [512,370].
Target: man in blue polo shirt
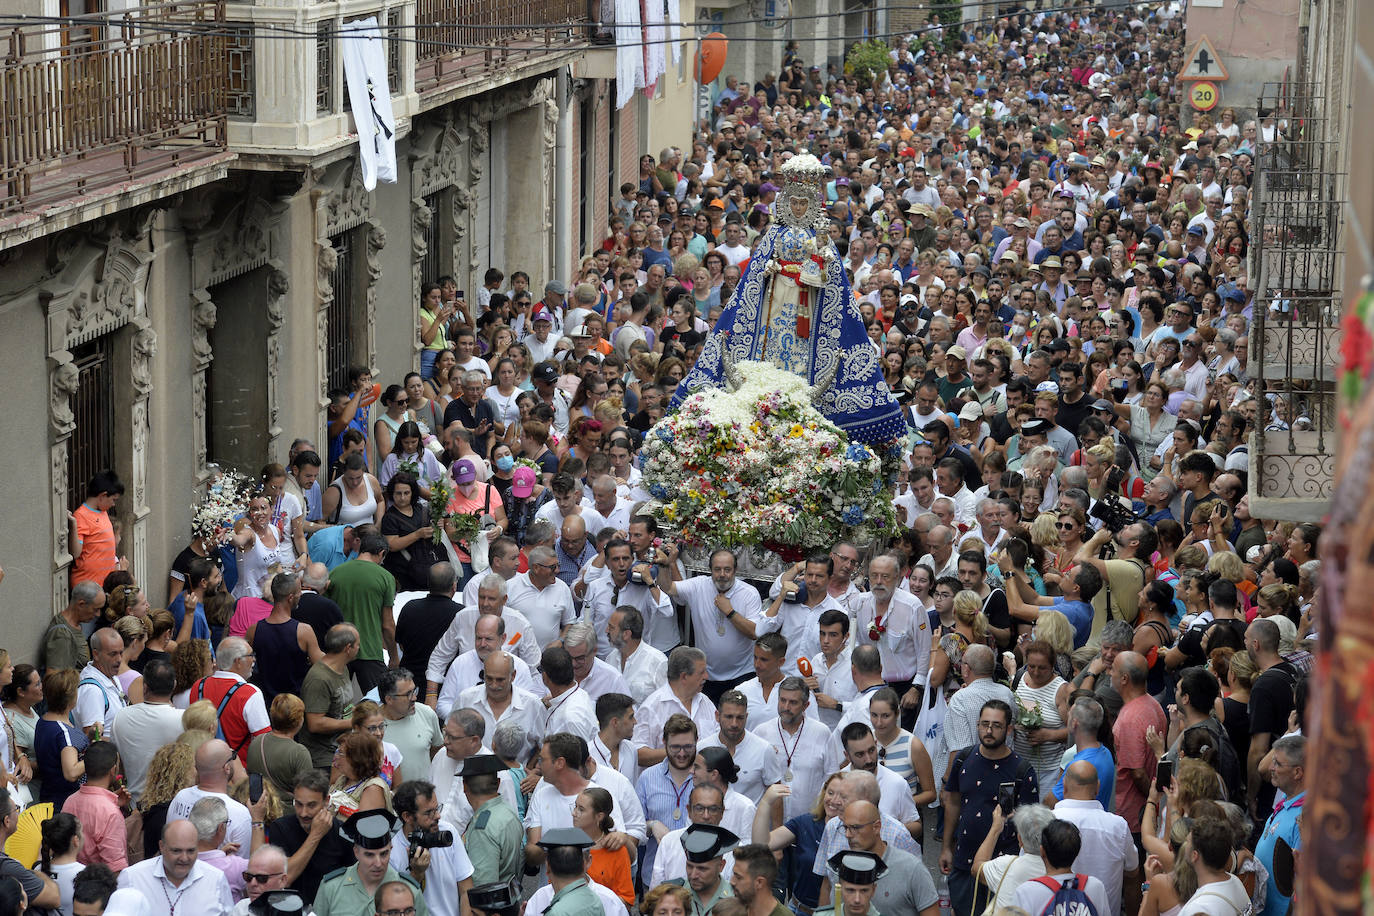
[1289,776]
[333,546]
[1076,603]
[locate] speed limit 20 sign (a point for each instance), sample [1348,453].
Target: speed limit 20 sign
[1203,95]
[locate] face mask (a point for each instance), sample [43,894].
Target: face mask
[505,463]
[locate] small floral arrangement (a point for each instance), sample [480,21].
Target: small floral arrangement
[1029,717]
[761,466]
[465,526]
[226,500]
[523,462]
[440,493]
[876,630]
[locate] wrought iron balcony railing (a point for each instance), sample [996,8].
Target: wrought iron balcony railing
[97,101]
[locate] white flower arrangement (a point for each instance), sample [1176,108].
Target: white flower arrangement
[226,500]
[761,466]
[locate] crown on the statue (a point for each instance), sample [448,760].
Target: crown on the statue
[804,168]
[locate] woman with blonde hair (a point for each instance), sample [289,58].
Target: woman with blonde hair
[1054,628]
[126,601]
[134,633]
[172,769]
[970,627]
[797,838]
[667,900]
[200,716]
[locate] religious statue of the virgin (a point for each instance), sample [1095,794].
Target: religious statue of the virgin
[793,308]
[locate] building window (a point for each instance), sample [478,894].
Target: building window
[432,266]
[393,50]
[324,68]
[241,95]
[92,444]
[340,325]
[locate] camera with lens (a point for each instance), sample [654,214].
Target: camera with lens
[430,839]
[1113,514]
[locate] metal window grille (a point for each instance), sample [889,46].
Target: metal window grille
[432,266]
[92,444]
[339,331]
[1295,341]
[324,68]
[241,93]
[393,50]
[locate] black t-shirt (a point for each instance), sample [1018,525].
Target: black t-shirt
[419,627]
[1271,700]
[317,612]
[411,565]
[996,610]
[471,418]
[32,884]
[1190,502]
[1072,414]
[333,852]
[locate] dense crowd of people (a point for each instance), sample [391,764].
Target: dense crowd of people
[450,663]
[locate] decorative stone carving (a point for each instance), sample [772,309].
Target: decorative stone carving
[144,348]
[204,315]
[326,259]
[420,220]
[246,245]
[349,204]
[437,160]
[61,558]
[278,285]
[64,379]
[198,424]
[376,241]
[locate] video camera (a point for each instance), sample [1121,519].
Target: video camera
[1113,514]
[430,839]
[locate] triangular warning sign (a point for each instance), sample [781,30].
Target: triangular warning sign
[1203,63]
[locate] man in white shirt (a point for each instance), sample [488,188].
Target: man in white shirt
[213,762]
[1107,848]
[609,505]
[99,696]
[497,700]
[866,668]
[445,872]
[177,875]
[593,675]
[459,637]
[542,597]
[466,672]
[616,589]
[796,609]
[1219,893]
[504,557]
[464,730]
[724,612]
[562,757]
[901,626]
[686,675]
[642,666]
[140,730]
[758,762]
[831,678]
[761,690]
[795,737]
[567,500]
[615,716]
[861,747]
[733,249]
[569,708]
[1059,847]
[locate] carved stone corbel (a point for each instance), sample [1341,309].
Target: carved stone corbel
[278,285]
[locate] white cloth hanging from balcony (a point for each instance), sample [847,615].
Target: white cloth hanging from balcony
[629,51]
[655,34]
[675,29]
[364,58]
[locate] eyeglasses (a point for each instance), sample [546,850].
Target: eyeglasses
[708,809]
[408,911]
[854,828]
[409,695]
[1065,526]
[251,877]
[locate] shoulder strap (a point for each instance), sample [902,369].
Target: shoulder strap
[94,683]
[219,711]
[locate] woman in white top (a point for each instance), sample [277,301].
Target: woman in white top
[503,394]
[62,839]
[1040,688]
[259,548]
[895,746]
[355,498]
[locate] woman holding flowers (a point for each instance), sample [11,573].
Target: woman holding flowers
[1042,714]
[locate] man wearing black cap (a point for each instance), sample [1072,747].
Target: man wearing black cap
[351,891]
[495,838]
[500,899]
[903,884]
[565,853]
[858,874]
[705,846]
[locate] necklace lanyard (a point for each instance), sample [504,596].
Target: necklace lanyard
[172,904]
[801,731]
[677,794]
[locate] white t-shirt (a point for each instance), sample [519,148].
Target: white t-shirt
[1220,898]
[1033,897]
[240,828]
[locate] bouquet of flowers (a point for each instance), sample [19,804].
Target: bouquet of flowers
[1029,717]
[226,500]
[440,493]
[761,466]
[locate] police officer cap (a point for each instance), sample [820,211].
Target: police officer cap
[278,903]
[704,842]
[858,867]
[1036,427]
[565,836]
[371,829]
[481,765]
[497,896]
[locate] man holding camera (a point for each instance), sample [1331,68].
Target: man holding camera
[429,853]
[1123,576]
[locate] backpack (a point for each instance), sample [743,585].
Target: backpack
[1070,898]
[219,711]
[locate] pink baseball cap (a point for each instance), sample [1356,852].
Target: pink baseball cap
[522,482]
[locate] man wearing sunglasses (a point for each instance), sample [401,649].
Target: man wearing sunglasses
[266,873]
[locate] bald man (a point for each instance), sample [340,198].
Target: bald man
[1135,761]
[501,698]
[906,888]
[1108,850]
[215,762]
[177,876]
